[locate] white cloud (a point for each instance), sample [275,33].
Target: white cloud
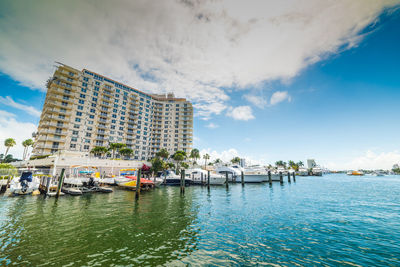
[370,160]
[10,102]
[257,100]
[212,125]
[11,128]
[243,113]
[279,96]
[195,48]
[374,160]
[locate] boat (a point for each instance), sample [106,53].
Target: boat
[316,171]
[254,174]
[144,183]
[377,173]
[234,172]
[200,176]
[24,185]
[302,172]
[171,178]
[355,173]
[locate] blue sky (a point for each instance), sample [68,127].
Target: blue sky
[330,93]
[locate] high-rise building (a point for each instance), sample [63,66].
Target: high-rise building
[84,109]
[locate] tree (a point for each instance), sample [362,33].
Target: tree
[280,163]
[157,165]
[235,160]
[127,152]
[206,157]
[185,165]
[115,147]
[26,143]
[170,165]
[300,164]
[8,143]
[195,154]
[178,157]
[163,153]
[217,161]
[9,158]
[99,150]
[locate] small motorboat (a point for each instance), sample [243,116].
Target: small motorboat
[24,185]
[74,191]
[144,183]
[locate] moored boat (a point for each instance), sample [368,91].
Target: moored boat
[24,185]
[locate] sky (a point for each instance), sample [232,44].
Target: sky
[269,80]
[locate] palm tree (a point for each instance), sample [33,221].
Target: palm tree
[178,157]
[115,147]
[27,143]
[194,154]
[163,153]
[206,157]
[99,150]
[280,163]
[127,152]
[217,161]
[300,164]
[235,160]
[8,143]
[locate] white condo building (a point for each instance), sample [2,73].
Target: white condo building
[84,109]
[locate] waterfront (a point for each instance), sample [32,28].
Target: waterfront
[331,220]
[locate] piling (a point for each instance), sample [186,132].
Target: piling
[201,175]
[208,180]
[138,184]
[47,188]
[269,177]
[288,177]
[182,181]
[242,177]
[281,177]
[294,177]
[226,180]
[60,182]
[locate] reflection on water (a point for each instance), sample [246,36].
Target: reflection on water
[333,220]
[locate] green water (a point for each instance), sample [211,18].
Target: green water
[333,220]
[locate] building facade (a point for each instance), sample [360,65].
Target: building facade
[84,109]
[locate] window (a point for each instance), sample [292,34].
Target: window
[71,74]
[93,105]
[92,110]
[94,99]
[83,90]
[88,134]
[86,147]
[90,122]
[72,145]
[81,101]
[78,113]
[77,119]
[80,107]
[95,94]
[84,84]
[91,116]
[74,139]
[96,88]
[97,83]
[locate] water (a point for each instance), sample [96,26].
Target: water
[331,220]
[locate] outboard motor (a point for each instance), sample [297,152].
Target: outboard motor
[26,177]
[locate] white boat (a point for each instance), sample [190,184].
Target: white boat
[234,172]
[24,185]
[302,172]
[200,176]
[316,171]
[254,174]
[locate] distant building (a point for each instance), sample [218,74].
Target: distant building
[311,163]
[84,109]
[242,162]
